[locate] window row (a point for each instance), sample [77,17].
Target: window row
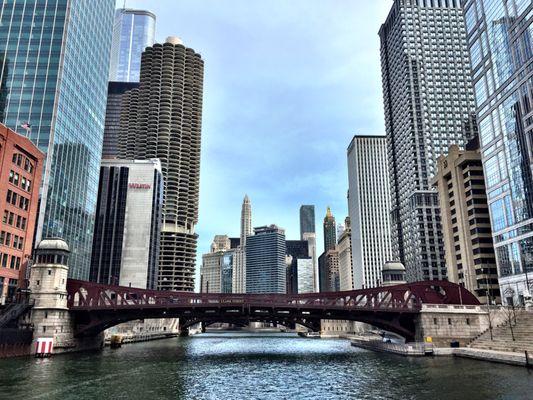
[15,220]
[10,261]
[15,179]
[10,240]
[23,162]
[18,200]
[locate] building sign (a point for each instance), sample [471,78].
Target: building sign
[133,185]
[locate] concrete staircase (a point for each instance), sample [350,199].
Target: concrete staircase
[502,337]
[11,313]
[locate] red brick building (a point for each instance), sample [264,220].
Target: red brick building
[21,166]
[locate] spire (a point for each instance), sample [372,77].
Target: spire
[246,199]
[328,213]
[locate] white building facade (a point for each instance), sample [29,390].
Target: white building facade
[344,247]
[369,209]
[306,274]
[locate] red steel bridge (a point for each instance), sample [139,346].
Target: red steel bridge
[96,307]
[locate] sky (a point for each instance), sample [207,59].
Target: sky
[287,85]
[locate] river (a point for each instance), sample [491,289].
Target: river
[257,366]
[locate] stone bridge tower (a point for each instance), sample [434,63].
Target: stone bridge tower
[48,290]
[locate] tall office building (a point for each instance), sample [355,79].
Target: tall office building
[500,38]
[310,238]
[226,268]
[346,267]
[369,208]
[265,261]
[246,220]
[296,250]
[330,231]
[307,220]
[466,224]
[328,265]
[133,31]
[128,224]
[308,233]
[162,119]
[305,275]
[214,269]
[239,255]
[428,103]
[115,93]
[53,73]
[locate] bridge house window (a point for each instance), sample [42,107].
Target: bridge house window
[52,259]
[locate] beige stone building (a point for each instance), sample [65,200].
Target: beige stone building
[345,258]
[465,222]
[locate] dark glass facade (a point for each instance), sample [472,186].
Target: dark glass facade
[109,226]
[307,219]
[296,249]
[55,65]
[266,270]
[330,232]
[500,39]
[115,93]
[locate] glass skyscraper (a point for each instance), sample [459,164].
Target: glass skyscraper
[307,220]
[266,270]
[500,39]
[54,57]
[133,31]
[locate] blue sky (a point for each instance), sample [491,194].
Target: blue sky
[287,85]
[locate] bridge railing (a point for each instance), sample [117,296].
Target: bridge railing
[89,295]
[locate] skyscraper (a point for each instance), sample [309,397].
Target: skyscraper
[500,38]
[133,31]
[246,220]
[265,261]
[296,250]
[369,208]
[328,264]
[466,224]
[162,119]
[428,103]
[115,93]
[53,73]
[330,231]
[346,266]
[214,267]
[307,220]
[128,224]
[308,233]
[239,256]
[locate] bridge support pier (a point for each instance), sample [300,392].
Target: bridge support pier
[50,315]
[447,323]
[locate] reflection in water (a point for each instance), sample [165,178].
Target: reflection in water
[257,366]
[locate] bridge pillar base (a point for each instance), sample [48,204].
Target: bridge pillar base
[184,332]
[59,325]
[447,323]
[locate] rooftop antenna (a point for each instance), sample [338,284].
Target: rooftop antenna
[124,6]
